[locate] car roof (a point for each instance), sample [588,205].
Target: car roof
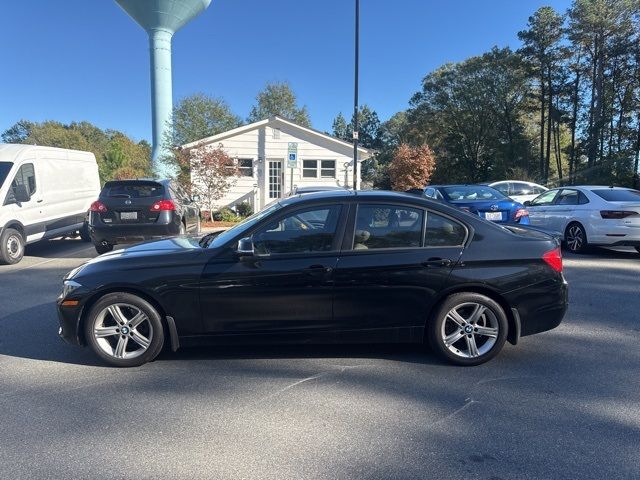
[319,188]
[375,195]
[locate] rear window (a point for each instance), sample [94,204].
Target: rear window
[611,195]
[137,190]
[5,168]
[465,193]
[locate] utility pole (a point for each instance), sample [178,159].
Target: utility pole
[355,100]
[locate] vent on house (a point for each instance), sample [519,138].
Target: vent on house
[276,133]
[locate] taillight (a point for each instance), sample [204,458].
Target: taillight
[98,206]
[521,212]
[617,214]
[163,205]
[554,259]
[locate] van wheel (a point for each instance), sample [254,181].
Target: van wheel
[11,246]
[468,329]
[84,232]
[102,248]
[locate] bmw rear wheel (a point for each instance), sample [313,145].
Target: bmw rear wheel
[576,238]
[124,330]
[468,329]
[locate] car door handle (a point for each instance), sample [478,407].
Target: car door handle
[318,270]
[437,262]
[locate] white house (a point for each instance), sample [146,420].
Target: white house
[275,154]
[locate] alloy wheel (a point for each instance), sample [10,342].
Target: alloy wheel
[470,330]
[575,238]
[122,331]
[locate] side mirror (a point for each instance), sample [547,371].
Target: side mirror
[527,203]
[245,247]
[21,194]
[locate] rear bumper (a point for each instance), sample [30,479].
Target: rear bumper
[540,307]
[614,235]
[167,225]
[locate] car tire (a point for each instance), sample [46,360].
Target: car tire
[103,248]
[11,246]
[124,330]
[84,232]
[576,238]
[468,329]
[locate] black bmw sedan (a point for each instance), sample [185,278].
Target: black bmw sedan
[326,267]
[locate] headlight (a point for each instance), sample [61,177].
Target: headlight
[69,287]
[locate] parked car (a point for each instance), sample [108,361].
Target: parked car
[129,211]
[481,200]
[589,215]
[324,267]
[518,190]
[313,189]
[45,193]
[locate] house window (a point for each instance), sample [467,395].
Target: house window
[319,169]
[245,165]
[310,168]
[328,169]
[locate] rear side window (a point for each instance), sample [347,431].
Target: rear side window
[443,232]
[388,226]
[503,188]
[567,197]
[611,195]
[137,190]
[521,188]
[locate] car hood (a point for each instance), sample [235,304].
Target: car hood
[476,205]
[147,250]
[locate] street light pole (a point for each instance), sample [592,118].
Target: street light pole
[355,100]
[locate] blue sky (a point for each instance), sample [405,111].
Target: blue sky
[77,60]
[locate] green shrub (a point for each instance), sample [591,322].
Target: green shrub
[244,209]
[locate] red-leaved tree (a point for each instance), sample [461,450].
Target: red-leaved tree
[411,167]
[213,173]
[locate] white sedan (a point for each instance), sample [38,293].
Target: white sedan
[589,215]
[518,190]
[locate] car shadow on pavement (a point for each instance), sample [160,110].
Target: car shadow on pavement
[58,247]
[32,334]
[601,252]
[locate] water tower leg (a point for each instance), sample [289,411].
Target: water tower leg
[161,93]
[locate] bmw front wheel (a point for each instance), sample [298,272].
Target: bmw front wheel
[124,330]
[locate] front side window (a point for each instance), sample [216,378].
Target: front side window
[26,176]
[544,199]
[443,232]
[388,226]
[245,165]
[310,230]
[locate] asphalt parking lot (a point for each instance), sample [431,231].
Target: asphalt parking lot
[563,404]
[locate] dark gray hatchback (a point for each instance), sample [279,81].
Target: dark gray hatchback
[130,211]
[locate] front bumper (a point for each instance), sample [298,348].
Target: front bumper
[69,323]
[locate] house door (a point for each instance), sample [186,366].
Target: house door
[275,179]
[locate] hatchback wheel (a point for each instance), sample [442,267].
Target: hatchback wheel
[468,329]
[11,246]
[124,330]
[576,238]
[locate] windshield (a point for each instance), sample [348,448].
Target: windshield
[611,195]
[5,168]
[244,225]
[471,193]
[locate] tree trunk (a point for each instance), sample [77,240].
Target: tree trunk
[549,124]
[542,104]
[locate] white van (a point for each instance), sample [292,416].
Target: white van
[45,192]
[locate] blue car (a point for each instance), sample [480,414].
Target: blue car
[481,200]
